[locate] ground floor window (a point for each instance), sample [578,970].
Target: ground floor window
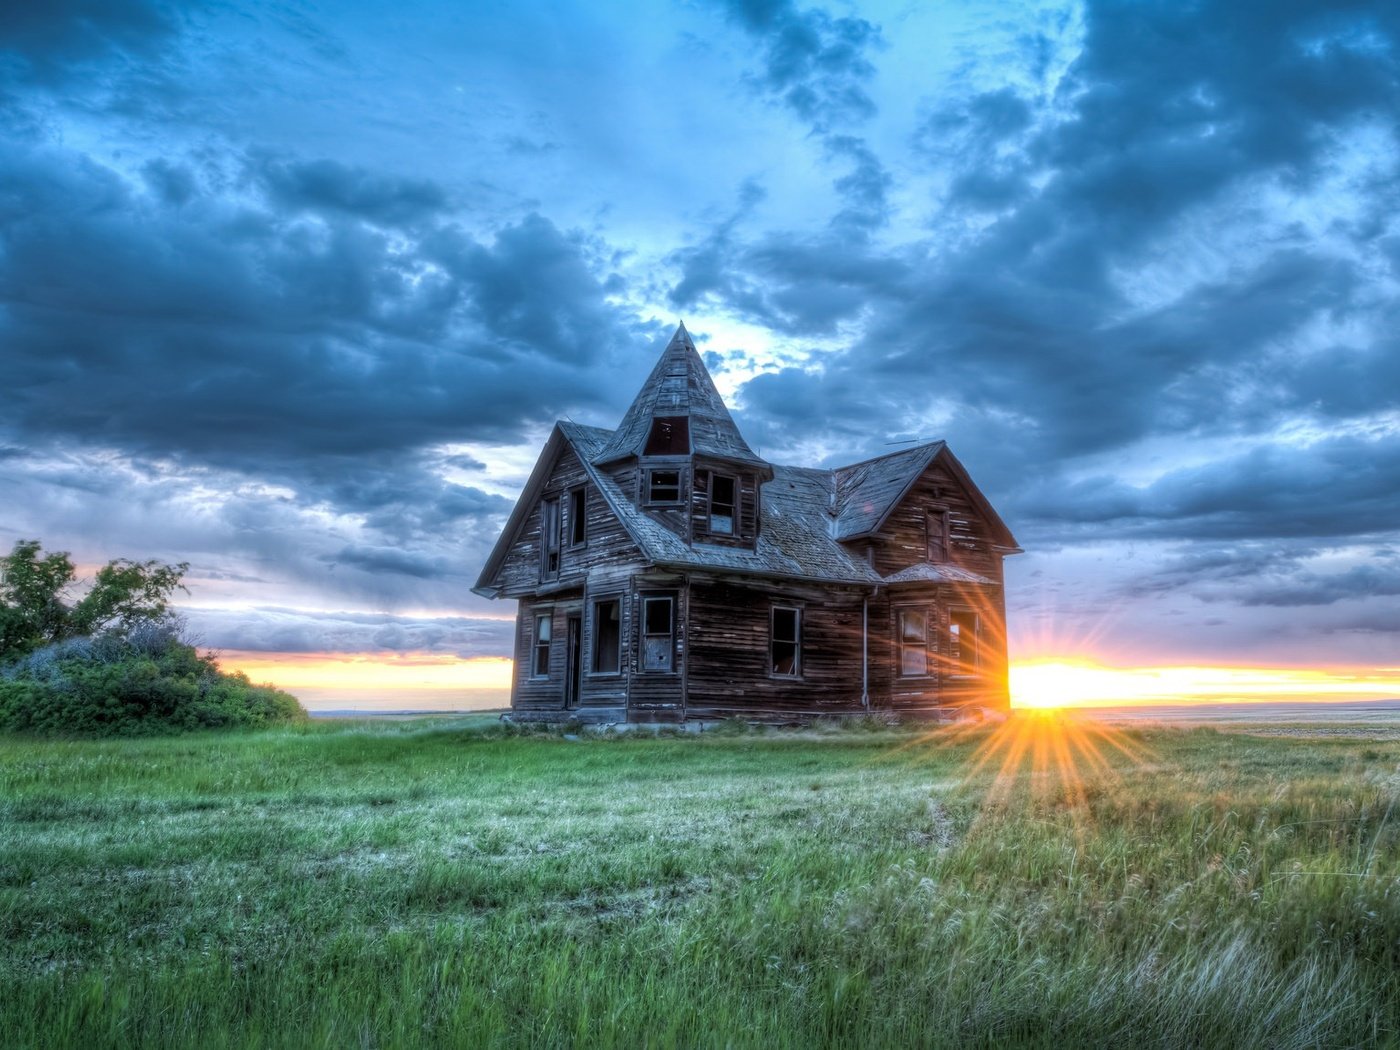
[607,636]
[785,648]
[913,642]
[962,641]
[658,633]
[543,632]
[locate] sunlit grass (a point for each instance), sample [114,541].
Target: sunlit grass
[1044,882]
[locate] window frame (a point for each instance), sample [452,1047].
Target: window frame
[646,634]
[796,642]
[578,522]
[733,506]
[902,644]
[595,635]
[679,499]
[944,536]
[677,423]
[959,666]
[551,539]
[547,619]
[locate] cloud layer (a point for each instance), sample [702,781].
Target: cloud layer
[297,300]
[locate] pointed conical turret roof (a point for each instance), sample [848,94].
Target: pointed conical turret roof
[680,385]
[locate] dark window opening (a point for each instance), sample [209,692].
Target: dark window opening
[549,539]
[578,517]
[658,620]
[670,436]
[543,632]
[913,642]
[664,486]
[937,525]
[786,642]
[962,641]
[607,636]
[722,504]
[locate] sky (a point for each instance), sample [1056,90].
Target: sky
[294,292]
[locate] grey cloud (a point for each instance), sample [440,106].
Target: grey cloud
[295,347]
[329,186]
[393,561]
[43,40]
[279,630]
[815,63]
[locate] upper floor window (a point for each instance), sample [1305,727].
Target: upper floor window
[670,436]
[938,535]
[578,516]
[544,630]
[663,486]
[913,642]
[658,633]
[549,539]
[785,641]
[722,502]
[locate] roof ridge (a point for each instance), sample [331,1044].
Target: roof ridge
[887,455]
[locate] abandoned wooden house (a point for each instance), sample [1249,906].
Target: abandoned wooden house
[666,573]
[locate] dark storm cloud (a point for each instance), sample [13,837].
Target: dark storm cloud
[818,65]
[329,186]
[393,561]
[246,337]
[1024,333]
[43,40]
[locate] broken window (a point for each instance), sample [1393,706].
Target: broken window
[543,631]
[722,489]
[962,641]
[607,636]
[549,539]
[937,526]
[663,486]
[670,436]
[578,517]
[786,641]
[913,642]
[658,632]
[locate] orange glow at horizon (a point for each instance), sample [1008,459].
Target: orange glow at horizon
[365,672]
[1044,683]
[1073,682]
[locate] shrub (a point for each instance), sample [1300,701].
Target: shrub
[141,683]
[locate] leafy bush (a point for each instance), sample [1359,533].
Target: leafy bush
[143,682]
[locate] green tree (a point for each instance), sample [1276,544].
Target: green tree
[35,609]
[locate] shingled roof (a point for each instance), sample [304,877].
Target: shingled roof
[680,385]
[794,535]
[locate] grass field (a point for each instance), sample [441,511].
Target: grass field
[445,882]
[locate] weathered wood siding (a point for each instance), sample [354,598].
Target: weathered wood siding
[607,546]
[729,670]
[657,696]
[903,539]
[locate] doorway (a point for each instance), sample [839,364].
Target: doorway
[573,650]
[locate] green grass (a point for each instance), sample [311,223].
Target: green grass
[401,884]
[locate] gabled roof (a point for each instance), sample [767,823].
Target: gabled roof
[794,536]
[680,385]
[868,491]
[804,514]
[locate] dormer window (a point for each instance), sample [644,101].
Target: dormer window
[663,486]
[670,436]
[722,504]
